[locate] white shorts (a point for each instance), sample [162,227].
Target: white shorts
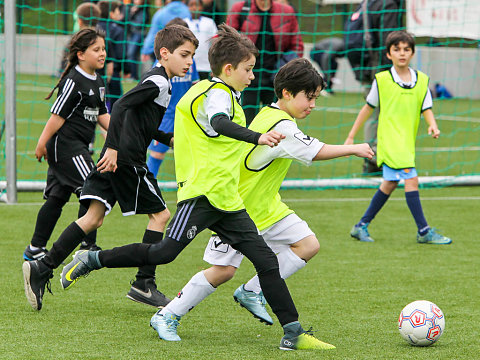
[282,234]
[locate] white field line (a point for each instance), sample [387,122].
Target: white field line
[312,200]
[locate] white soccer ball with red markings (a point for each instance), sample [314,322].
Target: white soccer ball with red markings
[421,323]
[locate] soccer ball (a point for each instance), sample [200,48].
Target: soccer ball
[421,323]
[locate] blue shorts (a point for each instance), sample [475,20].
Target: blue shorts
[166,126]
[390,174]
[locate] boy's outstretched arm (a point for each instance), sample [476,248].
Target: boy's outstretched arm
[363,115]
[432,124]
[333,151]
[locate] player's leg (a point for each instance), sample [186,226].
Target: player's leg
[38,273]
[200,286]
[144,288]
[56,197]
[238,230]
[154,161]
[360,230]
[90,240]
[191,217]
[425,234]
[225,261]
[294,244]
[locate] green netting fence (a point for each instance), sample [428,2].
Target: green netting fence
[447,50]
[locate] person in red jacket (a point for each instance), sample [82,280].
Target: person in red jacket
[273,28]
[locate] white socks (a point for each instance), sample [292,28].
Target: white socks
[289,264]
[197,289]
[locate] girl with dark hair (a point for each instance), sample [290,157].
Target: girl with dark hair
[64,140]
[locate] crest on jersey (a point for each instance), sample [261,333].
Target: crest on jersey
[102,93]
[191,232]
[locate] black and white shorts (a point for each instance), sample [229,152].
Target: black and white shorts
[195,215]
[134,187]
[66,176]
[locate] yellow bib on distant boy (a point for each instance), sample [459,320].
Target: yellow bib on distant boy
[398,120]
[205,164]
[259,187]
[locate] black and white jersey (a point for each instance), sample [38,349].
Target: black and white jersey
[80,100]
[136,116]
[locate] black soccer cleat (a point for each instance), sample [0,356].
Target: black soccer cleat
[145,291]
[36,277]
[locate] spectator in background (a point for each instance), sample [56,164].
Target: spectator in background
[138,18]
[211,10]
[111,14]
[273,28]
[325,53]
[170,11]
[204,29]
[384,16]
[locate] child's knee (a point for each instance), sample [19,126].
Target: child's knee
[217,275]
[306,248]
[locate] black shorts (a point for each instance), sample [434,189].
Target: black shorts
[66,176]
[134,187]
[195,215]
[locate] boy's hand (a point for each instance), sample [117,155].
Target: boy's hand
[108,163]
[364,151]
[434,131]
[271,138]
[41,152]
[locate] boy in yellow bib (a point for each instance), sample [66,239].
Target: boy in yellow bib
[402,94]
[210,137]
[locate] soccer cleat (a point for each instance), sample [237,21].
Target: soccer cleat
[166,325]
[36,276]
[81,265]
[304,341]
[433,237]
[361,233]
[31,255]
[146,292]
[253,302]
[92,247]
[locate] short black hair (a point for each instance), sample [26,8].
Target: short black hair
[171,37]
[396,37]
[296,76]
[229,47]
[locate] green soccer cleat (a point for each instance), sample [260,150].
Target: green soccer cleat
[361,233]
[433,237]
[304,341]
[166,325]
[83,262]
[253,302]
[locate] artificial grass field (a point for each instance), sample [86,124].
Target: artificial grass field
[351,292]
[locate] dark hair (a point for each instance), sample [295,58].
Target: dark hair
[396,37]
[229,47]
[89,13]
[171,37]
[177,21]
[296,76]
[108,6]
[79,42]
